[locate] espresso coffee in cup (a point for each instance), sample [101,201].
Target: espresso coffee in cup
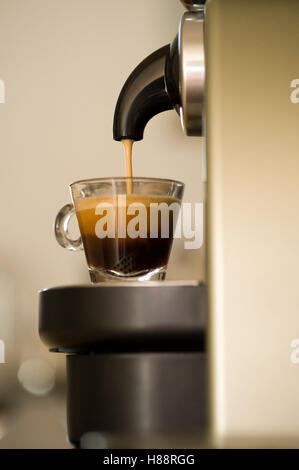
[127,224]
[126,234]
[138,253]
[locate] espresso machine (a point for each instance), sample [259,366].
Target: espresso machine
[137,369]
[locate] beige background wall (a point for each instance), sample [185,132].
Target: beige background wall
[64,63]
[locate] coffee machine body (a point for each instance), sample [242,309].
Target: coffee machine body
[252,64]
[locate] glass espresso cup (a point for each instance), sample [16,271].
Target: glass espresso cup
[126,225]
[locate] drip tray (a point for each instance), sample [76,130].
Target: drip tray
[124,317]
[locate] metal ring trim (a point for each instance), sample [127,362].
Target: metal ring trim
[192,72]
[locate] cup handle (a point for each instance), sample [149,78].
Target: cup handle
[61,229]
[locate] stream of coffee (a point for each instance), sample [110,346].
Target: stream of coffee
[128,144]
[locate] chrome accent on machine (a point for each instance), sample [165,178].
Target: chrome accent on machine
[192,72]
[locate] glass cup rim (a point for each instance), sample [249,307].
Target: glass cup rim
[125,179]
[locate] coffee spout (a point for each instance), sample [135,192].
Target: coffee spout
[144,95]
